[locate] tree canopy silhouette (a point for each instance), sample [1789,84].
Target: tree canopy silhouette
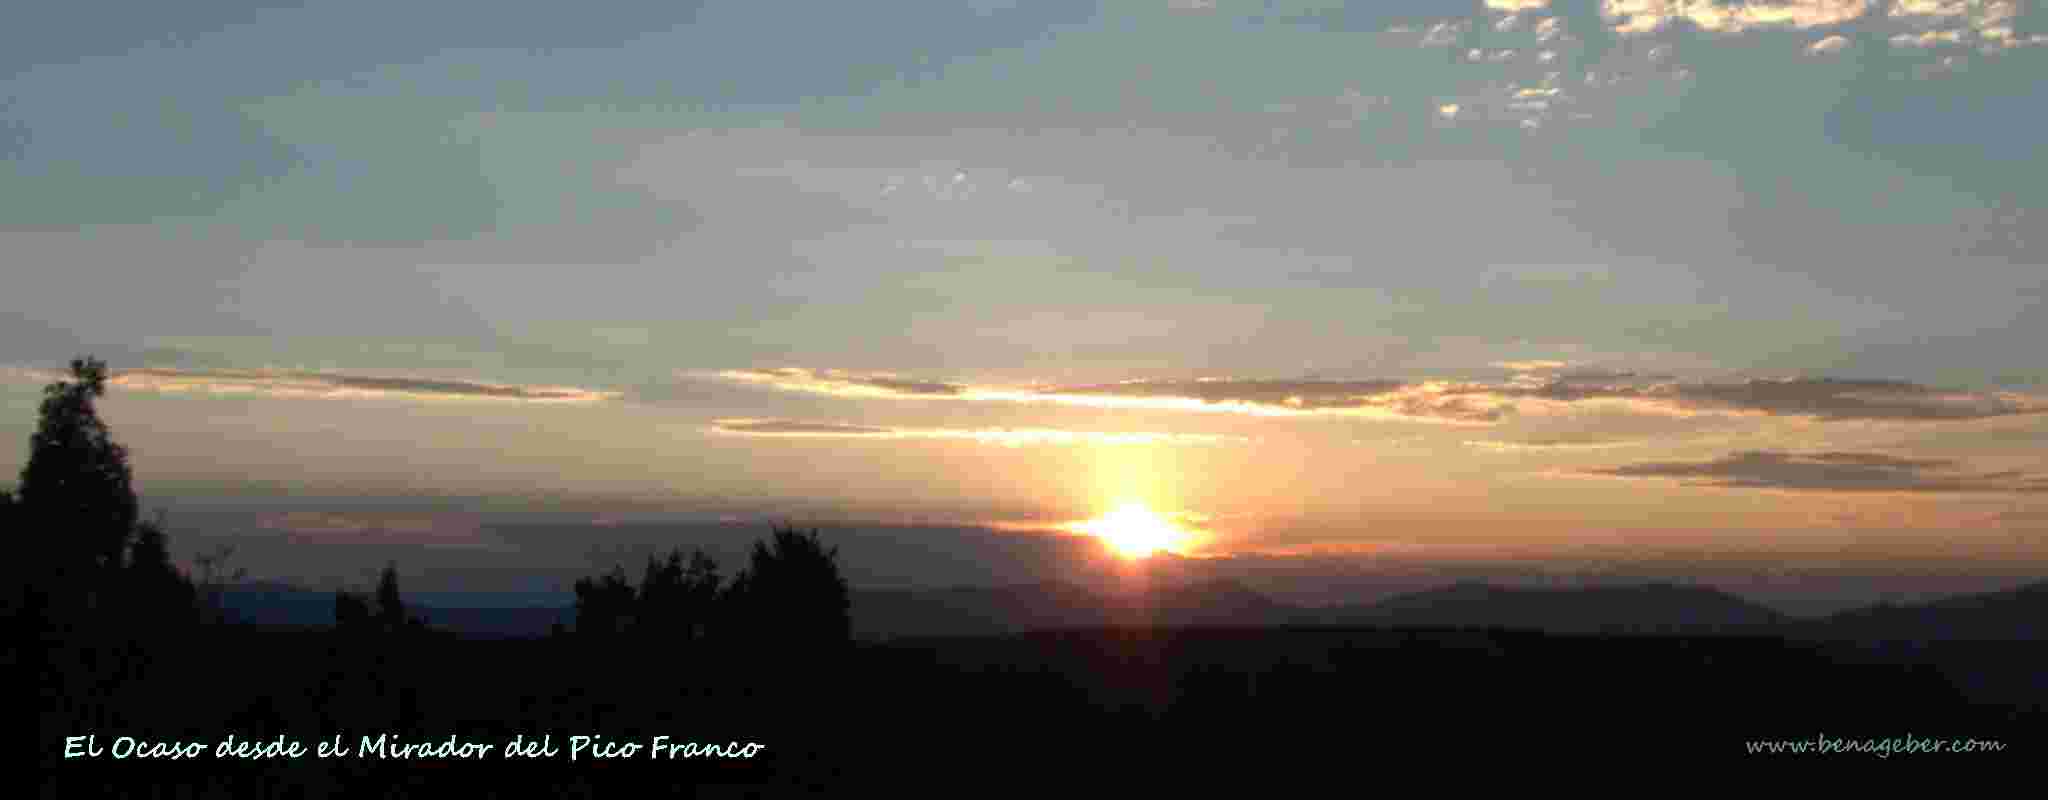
[85,559]
[157,593]
[678,601]
[214,577]
[382,611]
[390,604]
[16,571]
[77,490]
[604,606]
[792,593]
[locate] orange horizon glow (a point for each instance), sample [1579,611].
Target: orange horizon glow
[1134,532]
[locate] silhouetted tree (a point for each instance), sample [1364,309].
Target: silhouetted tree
[792,594]
[382,611]
[675,600]
[734,617]
[23,597]
[699,601]
[390,604]
[77,489]
[351,611]
[661,589]
[156,592]
[214,576]
[15,572]
[604,606]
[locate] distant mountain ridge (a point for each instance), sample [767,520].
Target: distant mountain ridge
[973,611]
[2015,614]
[283,605]
[2018,613]
[1642,608]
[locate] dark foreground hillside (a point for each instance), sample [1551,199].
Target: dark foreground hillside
[1308,701]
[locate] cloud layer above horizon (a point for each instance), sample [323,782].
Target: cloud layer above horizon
[1300,264]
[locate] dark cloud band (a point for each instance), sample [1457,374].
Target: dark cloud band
[1831,472]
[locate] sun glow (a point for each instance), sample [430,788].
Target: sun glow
[1134,531]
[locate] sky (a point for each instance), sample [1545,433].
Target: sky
[1701,287]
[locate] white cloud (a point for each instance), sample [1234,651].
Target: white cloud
[1828,45]
[1928,38]
[1444,34]
[1645,16]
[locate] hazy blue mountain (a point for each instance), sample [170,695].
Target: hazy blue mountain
[2016,614]
[1647,608]
[2019,613]
[484,614]
[975,611]
[275,604]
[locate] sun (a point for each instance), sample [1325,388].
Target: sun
[1134,531]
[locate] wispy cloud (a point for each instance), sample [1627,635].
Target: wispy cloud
[1549,444]
[1595,375]
[1830,399]
[1010,437]
[280,383]
[1828,45]
[1644,16]
[784,427]
[1540,97]
[838,382]
[1918,23]
[1389,398]
[1841,399]
[1532,365]
[1286,393]
[1457,402]
[1831,472]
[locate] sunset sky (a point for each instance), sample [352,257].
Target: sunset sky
[1699,288]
